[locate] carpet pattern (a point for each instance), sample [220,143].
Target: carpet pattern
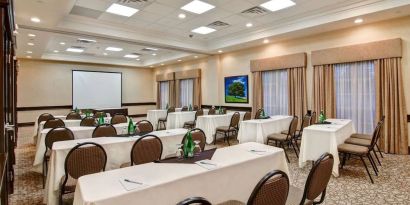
[353,186]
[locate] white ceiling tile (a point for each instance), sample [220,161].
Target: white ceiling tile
[161,9]
[174,3]
[113,18]
[146,16]
[100,5]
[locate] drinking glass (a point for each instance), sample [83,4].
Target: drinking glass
[197,148]
[180,152]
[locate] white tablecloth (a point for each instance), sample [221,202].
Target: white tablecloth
[209,123]
[257,130]
[36,127]
[177,119]
[165,183]
[118,152]
[79,133]
[154,115]
[319,139]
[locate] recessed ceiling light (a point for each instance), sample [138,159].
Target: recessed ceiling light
[275,5]
[220,51]
[131,56]
[266,41]
[30,44]
[151,66]
[249,25]
[121,10]
[151,49]
[113,49]
[106,54]
[154,54]
[138,59]
[31,35]
[55,51]
[181,16]
[195,56]
[75,50]
[162,64]
[35,19]
[28,56]
[358,20]
[179,60]
[203,30]
[29,51]
[62,43]
[197,7]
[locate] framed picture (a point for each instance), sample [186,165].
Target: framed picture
[236,89]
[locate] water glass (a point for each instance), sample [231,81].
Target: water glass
[180,152]
[197,148]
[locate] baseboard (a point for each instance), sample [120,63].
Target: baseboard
[236,108]
[59,107]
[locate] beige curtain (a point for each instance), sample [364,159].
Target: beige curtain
[297,92]
[257,97]
[158,94]
[197,92]
[172,96]
[177,94]
[390,102]
[323,90]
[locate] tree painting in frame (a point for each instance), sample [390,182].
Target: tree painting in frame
[236,89]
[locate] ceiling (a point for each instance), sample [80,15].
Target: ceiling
[157,25]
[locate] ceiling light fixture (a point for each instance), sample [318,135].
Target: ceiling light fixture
[131,56]
[249,25]
[113,49]
[75,50]
[28,56]
[358,20]
[30,44]
[151,49]
[121,10]
[195,56]
[31,35]
[266,41]
[276,5]
[181,16]
[197,7]
[154,54]
[179,60]
[62,43]
[55,51]
[29,51]
[106,54]
[203,30]
[35,20]
[220,51]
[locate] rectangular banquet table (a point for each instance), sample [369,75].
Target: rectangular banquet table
[36,126]
[234,178]
[154,115]
[177,119]
[257,130]
[321,138]
[118,152]
[209,123]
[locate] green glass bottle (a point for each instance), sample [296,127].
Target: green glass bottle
[87,113]
[131,128]
[101,120]
[76,110]
[166,107]
[322,117]
[220,110]
[190,107]
[188,146]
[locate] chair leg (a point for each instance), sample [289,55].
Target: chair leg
[380,152]
[44,164]
[286,154]
[216,133]
[344,160]
[294,149]
[370,158]
[227,138]
[367,170]
[375,154]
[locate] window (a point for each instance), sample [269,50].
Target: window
[355,94]
[186,91]
[275,92]
[164,94]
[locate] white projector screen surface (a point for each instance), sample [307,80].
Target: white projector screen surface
[96,90]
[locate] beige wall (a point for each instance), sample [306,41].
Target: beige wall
[49,83]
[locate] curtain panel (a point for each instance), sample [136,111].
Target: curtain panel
[170,78]
[257,97]
[323,91]
[158,95]
[297,92]
[194,74]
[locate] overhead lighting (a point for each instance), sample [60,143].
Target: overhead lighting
[113,49]
[203,30]
[151,49]
[30,44]
[195,56]
[106,54]
[28,56]
[62,43]
[55,51]
[162,64]
[179,60]
[266,41]
[31,35]
[358,20]
[220,51]
[197,7]
[75,50]
[35,19]
[131,56]
[138,59]
[181,16]
[121,10]
[249,25]
[276,5]
[154,54]
[29,51]
[151,66]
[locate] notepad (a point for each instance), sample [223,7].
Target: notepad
[207,164]
[131,183]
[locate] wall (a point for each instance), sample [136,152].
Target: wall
[49,83]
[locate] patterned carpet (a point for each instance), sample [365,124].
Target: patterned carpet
[392,186]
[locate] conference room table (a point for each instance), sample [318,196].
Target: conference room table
[209,123]
[79,133]
[321,138]
[230,178]
[118,152]
[257,130]
[154,115]
[36,126]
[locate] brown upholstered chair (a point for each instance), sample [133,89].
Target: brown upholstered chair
[211,111]
[143,127]
[247,116]
[231,129]
[197,135]
[305,123]
[53,123]
[83,159]
[163,121]
[88,122]
[54,135]
[100,114]
[146,149]
[196,108]
[184,108]
[258,113]
[287,138]
[191,124]
[44,117]
[362,151]
[73,116]
[119,118]
[313,119]
[272,189]
[104,130]
[316,183]
[195,201]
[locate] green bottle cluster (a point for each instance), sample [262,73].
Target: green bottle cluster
[131,127]
[101,120]
[322,117]
[189,146]
[220,111]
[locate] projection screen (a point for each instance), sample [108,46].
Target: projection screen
[96,90]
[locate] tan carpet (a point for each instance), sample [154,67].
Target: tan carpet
[392,186]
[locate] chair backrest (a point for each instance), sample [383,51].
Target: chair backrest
[376,134]
[195,200]
[236,117]
[258,113]
[273,188]
[170,110]
[305,122]
[143,127]
[88,122]
[58,134]
[184,108]
[197,135]
[318,178]
[196,107]
[211,111]
[44,117]
[146,149]
[73,116]
[313,118]
[119,118]
[247,116]
[100,114]
[199,112]
[293,126]
[53,123]
[83,159]
[104,130]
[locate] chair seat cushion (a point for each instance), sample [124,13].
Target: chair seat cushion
[128,164]
[232,202]
[358,141]
[277,137]
[69,185]
[361,136]
[285,132]
[295,196]
[225,128]
[351,148]
[190,123]
[162,119]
